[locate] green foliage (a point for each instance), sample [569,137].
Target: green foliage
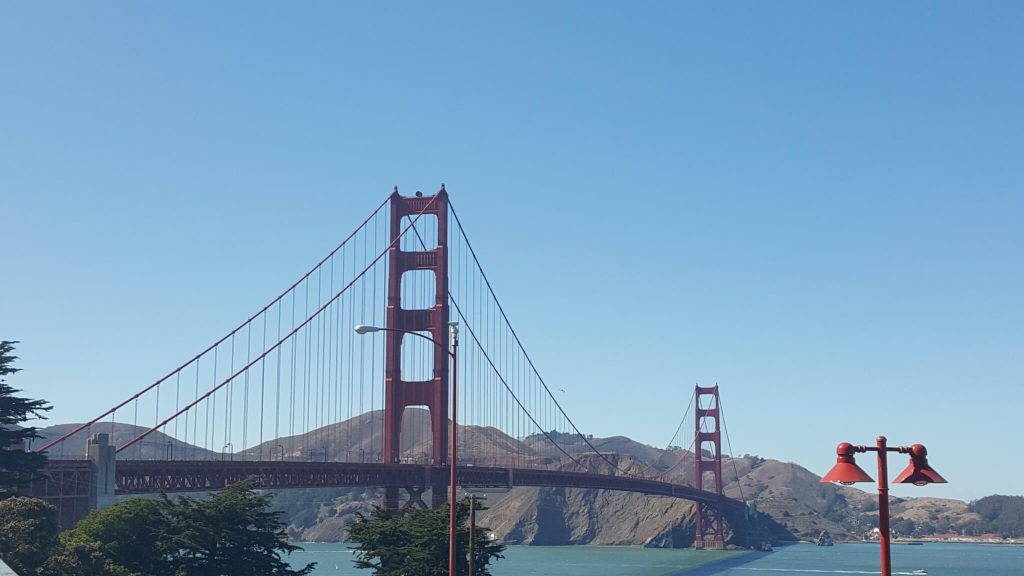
[1003,515]
[17,467]
[77,556]
[416,542]
[903,527]
[235,532]
[131,534]
[754,460]
[28,533]
[232,532]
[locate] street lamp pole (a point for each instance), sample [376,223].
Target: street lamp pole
[918,473]
[452,506]
[453,328]
[472,528]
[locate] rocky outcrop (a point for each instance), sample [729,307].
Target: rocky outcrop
[560,516]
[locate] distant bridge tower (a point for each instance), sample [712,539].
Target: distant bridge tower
[399,392]
[708,460]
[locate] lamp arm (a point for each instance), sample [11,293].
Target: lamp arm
[897,449]
[425,337]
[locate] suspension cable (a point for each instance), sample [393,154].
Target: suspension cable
[529,360]
[281,341]
[732,457]
[218,342]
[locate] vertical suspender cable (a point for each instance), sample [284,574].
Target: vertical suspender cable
[339,401]
[349,359]
[277,386]
[362,347]
[177,402]
[291,402]
[245,398]
[229,408]
[332,384]
[318,328]
[135,423]
[210,445]
[263,379]
[305,380]
[373,345]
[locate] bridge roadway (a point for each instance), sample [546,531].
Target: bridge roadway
[154,476]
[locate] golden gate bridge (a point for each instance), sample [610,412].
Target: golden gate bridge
[294,397]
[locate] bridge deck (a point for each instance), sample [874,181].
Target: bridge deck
[153,476]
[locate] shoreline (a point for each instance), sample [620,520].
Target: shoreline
[921,541]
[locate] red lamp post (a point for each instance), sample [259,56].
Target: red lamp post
[918,473]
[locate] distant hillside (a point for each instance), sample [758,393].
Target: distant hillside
[521,515]
[155,446]
[361,438]
[788,493]
[1002,515]
[797,504]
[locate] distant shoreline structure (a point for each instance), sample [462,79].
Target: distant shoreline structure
[953,539]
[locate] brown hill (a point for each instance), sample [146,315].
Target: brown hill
[931,515]
[575,516]
[155,446]
[361,438]
[785,492]
[521,515]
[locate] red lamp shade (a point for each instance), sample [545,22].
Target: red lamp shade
[846,471]
[919,472]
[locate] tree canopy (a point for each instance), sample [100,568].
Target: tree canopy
[232,532]
[1003,515]
[17,467]
[235,532]
[416,542]
[28,533]
[130,537]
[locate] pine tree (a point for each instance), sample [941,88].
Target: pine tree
[234,532]
[17,466]
[416,542]
[28,533]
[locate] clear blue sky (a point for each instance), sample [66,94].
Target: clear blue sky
[817,205]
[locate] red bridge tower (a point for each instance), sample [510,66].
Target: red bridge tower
[433,322]
[708,459]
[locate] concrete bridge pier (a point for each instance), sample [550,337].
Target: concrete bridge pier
[77,487]
[103,456]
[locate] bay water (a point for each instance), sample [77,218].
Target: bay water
[938,559]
